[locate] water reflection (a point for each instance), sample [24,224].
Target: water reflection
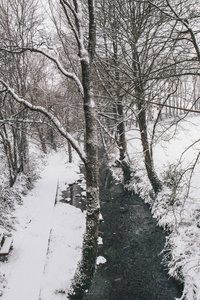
[75,195]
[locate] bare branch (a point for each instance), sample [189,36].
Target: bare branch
[64,4]
[53,59]
[157,120]
[189,29]
[50,116]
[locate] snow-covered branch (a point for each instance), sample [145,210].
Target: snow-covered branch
[76,25]
[50,116]
[70,75]
[106,131]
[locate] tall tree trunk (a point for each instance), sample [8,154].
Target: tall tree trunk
[41,136]
[69,152]
[121,135]
[142,119]
[121,130]
[122,142]
[86,268]
[148,159]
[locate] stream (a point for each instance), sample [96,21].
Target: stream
[132,244]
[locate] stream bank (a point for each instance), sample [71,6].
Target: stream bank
[132,243]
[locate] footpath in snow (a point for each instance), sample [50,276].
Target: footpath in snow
[27,270]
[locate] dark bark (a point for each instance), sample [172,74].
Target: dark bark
[122,143]
[51,139]
[121,131]
[23,149]
[148,159]
[142,119]
[121,135]
[40,131]
[69,152]
[12,164]
[86,268]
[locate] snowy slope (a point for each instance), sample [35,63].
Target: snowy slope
[181,216]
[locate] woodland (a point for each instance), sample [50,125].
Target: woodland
[81,74]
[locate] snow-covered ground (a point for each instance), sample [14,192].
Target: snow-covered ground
[33,270]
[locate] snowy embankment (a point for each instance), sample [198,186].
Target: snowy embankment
[176,210]
[33,270]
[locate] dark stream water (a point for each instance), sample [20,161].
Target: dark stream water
[131,245]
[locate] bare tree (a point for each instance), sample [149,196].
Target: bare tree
[151,60]
[110,80]
[17,27]
[126,34]
[72,11]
